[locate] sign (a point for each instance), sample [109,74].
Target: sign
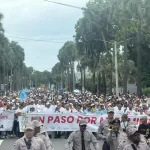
[69,121]
[6,120]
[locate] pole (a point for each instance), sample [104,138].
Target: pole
[83,90]
[73,76]
[116,69]
[11,81]
[139,89]
[125,74]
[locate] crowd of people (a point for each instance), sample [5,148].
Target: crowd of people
[87,103]
[50,102]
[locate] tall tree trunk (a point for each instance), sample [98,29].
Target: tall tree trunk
[125,78]
[81,80]
[68,79]
[110,75]
[99,83]
[104,83]
[139,88]
[61,82]
[84,79]
[73,76]
[0,77]
[93,80]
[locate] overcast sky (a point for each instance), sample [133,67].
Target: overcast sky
[38,19]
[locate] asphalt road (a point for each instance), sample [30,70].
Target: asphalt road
[58,144]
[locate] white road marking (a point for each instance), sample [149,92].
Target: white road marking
[1,141]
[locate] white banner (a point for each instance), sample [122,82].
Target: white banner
[6,120]
[69,121]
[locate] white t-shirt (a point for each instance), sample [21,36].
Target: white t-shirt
[61,110]
[67,111]
[39,108]
[53,107]
[20,110]
[130,112]
[30,106]
[47,110]
[120,112]
[1,109]
[124,124]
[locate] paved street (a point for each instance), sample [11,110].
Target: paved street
[57,143]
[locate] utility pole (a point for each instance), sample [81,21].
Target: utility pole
[11,80]
[73,76]
[116,69]
[139,90]
[125,77]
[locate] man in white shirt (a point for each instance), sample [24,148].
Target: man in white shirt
[119,109]
[47,108]
[20,109]
[40,107]
[67,109]
[36,105]
[78,109]
[130,110]
[59,108]
[31,105]
[53,106]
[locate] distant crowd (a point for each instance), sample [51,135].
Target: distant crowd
[57,102]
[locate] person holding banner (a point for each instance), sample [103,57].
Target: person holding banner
[103,128]
[82,139]
[28,141]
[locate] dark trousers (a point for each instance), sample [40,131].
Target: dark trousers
[67,133]
[105,146]
[57,134]
[16,128]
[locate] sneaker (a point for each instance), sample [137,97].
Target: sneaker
[3,137]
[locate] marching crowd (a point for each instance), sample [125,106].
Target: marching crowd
[116,134]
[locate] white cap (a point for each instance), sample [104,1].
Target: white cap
[47,103]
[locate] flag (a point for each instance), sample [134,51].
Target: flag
[23,95]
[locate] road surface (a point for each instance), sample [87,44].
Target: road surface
[58,144]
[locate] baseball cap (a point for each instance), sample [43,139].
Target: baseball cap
[83,122]
[47,103]
[29,126]
[110,109]
[115,121]
[92,104]
[131,130]
[36,123]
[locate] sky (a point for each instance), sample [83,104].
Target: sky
[41,20]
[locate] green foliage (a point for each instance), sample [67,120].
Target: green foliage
[146,91]
[12,66]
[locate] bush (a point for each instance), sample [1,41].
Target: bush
[146,91]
